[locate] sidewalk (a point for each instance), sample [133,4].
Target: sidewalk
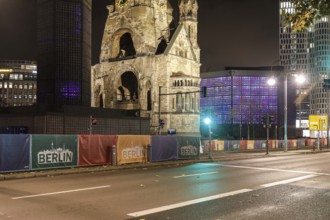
[216,157]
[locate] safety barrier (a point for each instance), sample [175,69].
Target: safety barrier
[246,145]
[23,152]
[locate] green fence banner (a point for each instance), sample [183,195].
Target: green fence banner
[54,151]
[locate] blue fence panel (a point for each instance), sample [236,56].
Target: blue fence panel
[14,152]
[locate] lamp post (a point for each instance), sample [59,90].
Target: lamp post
[286,112]
[299,79]
[207,121]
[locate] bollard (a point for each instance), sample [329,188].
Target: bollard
[148,153]
[114,155]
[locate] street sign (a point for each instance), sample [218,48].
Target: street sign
[318,122]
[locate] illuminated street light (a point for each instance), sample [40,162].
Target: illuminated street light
[299,79]
[208,121]
[271,81]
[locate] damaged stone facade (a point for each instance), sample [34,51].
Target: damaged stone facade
[149,65]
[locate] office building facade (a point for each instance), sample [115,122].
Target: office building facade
[18,83]
[64,52]
[307,52]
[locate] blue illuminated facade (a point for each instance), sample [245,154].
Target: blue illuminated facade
[237,100]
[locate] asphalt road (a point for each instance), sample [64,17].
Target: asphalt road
[288,187]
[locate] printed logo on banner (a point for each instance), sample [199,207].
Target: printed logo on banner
[133,152]
[54,151]
[188,151]
[53,156]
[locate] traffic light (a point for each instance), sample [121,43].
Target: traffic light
[264,120]
[161,123]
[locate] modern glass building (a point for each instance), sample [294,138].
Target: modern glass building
[18,83]
[237,101]
[307,52]
[64,52]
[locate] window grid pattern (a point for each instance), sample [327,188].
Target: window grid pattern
[239,99]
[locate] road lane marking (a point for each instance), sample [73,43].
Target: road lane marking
[61,192]
[288,181]
[190,202]
[273,169]
[197,174]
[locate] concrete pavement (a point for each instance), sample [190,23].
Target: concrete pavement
[215,157]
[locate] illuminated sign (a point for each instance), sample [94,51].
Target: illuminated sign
[318,122]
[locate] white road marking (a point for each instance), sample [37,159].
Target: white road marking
[61,192]
[288,181]
[273,169]
[223,195]
[191,202]
[196,174]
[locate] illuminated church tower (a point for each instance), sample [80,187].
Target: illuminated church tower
[147,64]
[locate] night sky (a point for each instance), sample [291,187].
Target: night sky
[231,32]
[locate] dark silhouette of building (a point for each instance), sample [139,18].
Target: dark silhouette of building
[64,52]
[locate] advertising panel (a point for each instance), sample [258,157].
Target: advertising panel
[250,145]
[96,149]
[14,152]
[188,147]
[54,151]
[318,122]
[132,148]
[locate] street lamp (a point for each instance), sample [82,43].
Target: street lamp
[207,121]
[299,79]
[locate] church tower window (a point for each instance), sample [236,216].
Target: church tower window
[126,46]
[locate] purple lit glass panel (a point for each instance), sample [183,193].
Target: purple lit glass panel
[223,81]
[237,100]
[246,90]
[246,80]
[70,89]
[204,83]
[237,81]
[236,119]
[264,100]
[255,81]
[210,91]
[272,100]
[237,90]
[255,90]
[237,109]
[225,90]
[246,99]
[246,109]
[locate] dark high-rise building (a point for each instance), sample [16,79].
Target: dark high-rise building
[64,52]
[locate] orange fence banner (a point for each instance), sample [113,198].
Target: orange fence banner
[132,148]
[96,149]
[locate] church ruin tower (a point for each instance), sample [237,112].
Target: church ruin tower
[147,64]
